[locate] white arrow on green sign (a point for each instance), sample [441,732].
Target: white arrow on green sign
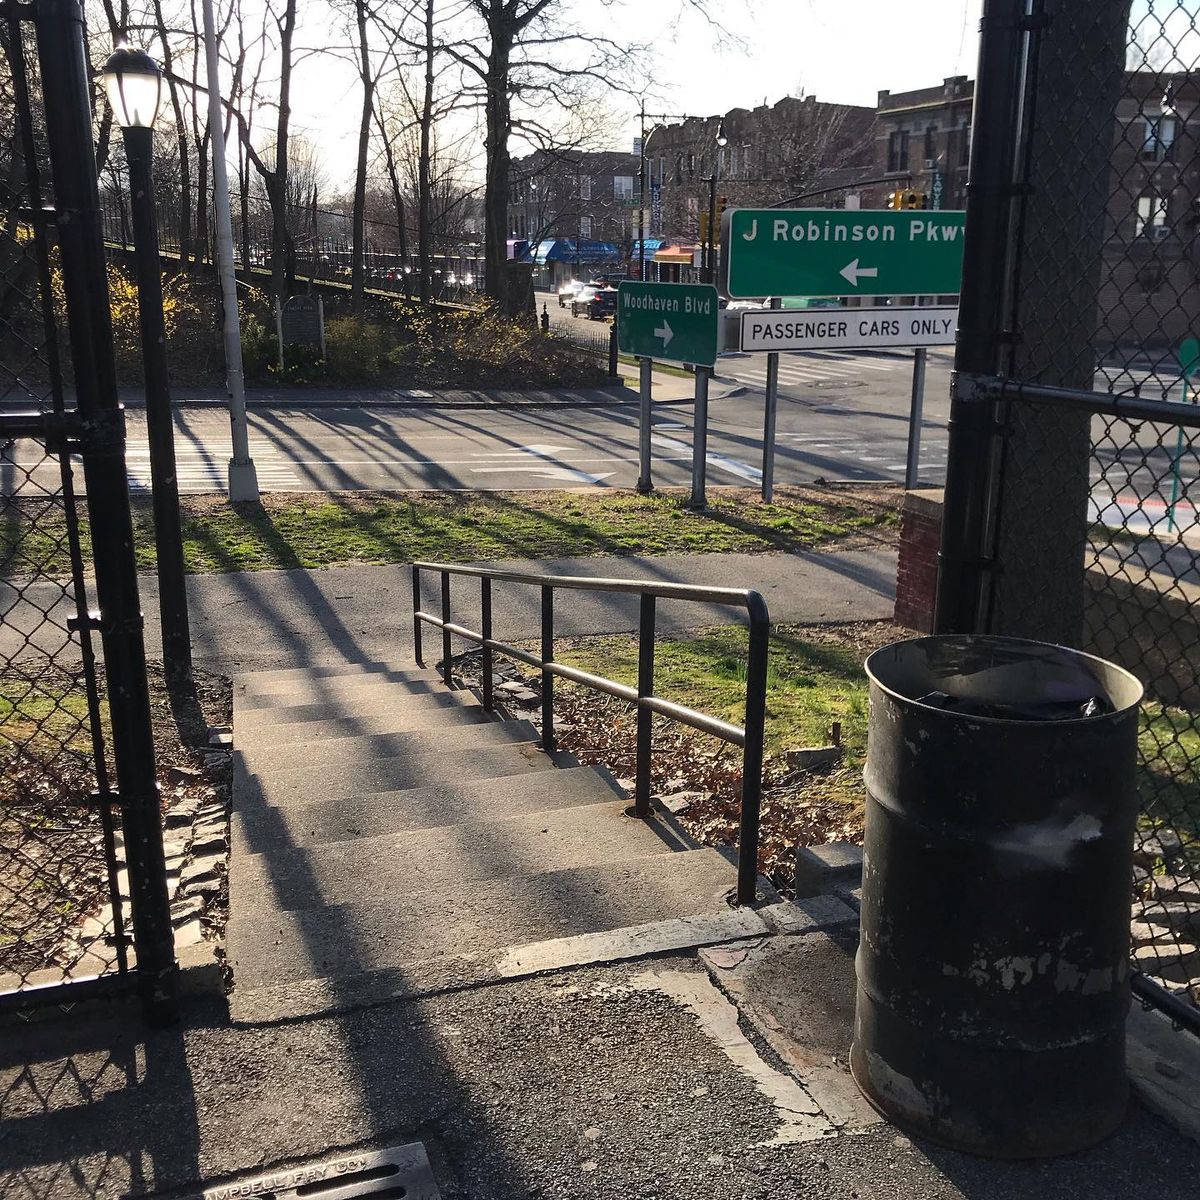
[841,252]
[674,322]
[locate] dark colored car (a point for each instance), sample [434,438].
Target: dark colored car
[603,304]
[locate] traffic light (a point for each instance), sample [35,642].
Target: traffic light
[704,225]
[907,199]
[721,202]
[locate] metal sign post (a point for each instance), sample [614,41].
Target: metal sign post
[912,468]
[697,500]
[769,412]
[645,372]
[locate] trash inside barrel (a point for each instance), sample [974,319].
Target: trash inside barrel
[994,953]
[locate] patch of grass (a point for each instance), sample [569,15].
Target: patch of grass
[814,678]
[323,530]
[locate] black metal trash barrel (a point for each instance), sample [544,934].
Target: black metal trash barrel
[994,953]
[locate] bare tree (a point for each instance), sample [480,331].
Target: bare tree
[530,66]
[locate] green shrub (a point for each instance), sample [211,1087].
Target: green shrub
[357,349]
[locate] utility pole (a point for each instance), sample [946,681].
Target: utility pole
[243,479]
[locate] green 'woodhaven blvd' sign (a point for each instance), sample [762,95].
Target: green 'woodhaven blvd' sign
[673,322]
[841,252]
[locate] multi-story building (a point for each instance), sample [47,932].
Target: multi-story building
[573,212]
[923,143]
[1149,297]
[799,146]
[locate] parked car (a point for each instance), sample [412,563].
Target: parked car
[568,292]
[581,300]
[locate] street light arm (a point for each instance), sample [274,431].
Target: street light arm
[841,187]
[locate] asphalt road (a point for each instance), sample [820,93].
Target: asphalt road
[840,417]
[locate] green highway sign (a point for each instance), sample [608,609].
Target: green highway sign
[674,322]
[841,252]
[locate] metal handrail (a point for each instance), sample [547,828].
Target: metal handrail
[749,738]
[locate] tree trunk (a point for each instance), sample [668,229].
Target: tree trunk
[424,189]
[283,267]
[202,240]
[358,223]
[495,199]
[181,136]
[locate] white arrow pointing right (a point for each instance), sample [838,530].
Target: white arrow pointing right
[852,273]
[665,332]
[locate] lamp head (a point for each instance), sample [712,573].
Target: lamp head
[722,140]
[133,84]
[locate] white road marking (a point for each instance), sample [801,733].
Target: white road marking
[731,465]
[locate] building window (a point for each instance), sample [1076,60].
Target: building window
[585,227]
[691,165]
[1158,136]
[964,145]
[898,150]
[679,168]
[1151,214]
[733,161]
[931,152]
[585,187]
[622,187]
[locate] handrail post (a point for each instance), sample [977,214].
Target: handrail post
[485,620]
[416,598]
[446,672]
[548,741]
[752,757]
[645,718]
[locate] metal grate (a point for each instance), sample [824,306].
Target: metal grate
[391,1174]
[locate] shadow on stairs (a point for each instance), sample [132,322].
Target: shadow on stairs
[392,838]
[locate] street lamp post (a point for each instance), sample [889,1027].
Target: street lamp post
[710,264]
[133,84]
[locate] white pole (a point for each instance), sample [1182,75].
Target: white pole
[243,479]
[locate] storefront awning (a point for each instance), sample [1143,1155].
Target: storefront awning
[676,254]
[571,250]
[653,245]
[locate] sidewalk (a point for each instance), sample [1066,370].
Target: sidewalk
[263,619]
[667,389]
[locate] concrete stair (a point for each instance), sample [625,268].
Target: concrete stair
[390,837]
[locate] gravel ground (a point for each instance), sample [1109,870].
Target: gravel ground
[576,1085]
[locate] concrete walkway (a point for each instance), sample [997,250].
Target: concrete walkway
[263,619]
[257,620]
[667,388]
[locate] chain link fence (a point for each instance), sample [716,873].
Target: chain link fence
[61,911]
[1077,454]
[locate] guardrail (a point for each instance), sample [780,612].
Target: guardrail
[749,737]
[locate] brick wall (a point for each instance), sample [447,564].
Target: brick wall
[916,578]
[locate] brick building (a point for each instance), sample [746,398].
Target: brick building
[772,153]
[923,142]
[575,210]
[1149,296]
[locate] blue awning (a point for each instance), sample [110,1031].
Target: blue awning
[652,244]
[569,250]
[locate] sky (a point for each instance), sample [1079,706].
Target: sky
[843,51]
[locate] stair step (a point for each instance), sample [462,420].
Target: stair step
[334,754]
[371,724]
[329,670]
[287,692]
[259,827]
[315,997]
[306,785]
[438,861]
[421,707]
[403,928]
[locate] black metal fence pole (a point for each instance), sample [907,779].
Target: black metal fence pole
[981,316]
[548,740]
[645,718]
[67,91]
[160,423]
